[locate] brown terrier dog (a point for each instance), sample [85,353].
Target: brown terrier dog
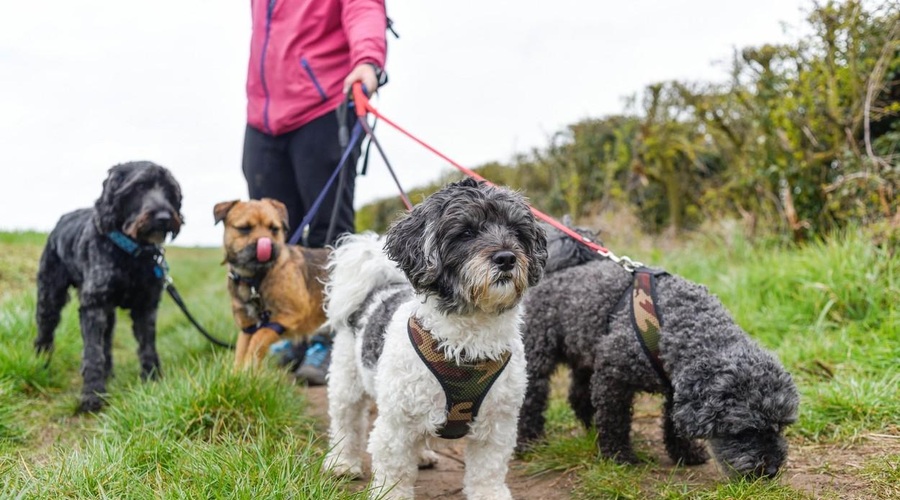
[276,288]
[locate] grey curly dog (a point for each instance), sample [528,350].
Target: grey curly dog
[723,387]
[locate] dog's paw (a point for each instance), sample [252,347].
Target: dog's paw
[624,457]
[347,471]
[500,492]
[341,467]
[43,346]
[695,454]
[526,445]
[151,374]
[91,404]
[427,459]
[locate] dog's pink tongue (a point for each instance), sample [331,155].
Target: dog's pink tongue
[263,249]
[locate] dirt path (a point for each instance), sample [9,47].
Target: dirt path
[821,471]
[444,481]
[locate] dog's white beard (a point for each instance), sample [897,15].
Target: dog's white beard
[488,290]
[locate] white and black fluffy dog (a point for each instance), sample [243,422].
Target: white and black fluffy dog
[466,255]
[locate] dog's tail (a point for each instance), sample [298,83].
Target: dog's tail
[356,267]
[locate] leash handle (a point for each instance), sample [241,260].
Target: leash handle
[361,98]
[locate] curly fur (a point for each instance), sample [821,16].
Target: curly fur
[142,200]
[466,255]
[725,388]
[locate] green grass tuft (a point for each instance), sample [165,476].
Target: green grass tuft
[209,402]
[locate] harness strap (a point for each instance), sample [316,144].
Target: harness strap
[264,315]
[278,327]
[646,317]
[465,385]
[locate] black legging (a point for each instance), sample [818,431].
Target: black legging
[294,167]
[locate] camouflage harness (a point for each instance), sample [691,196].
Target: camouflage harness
[465,385]
[646,317]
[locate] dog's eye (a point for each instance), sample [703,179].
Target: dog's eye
[243,229]
[467,233]
[274,229]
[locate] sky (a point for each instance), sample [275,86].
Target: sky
[89,84]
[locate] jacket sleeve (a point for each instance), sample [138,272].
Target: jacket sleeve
[365,22]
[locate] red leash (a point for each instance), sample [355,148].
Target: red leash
[363,106]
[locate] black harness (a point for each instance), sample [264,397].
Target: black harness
[256,301]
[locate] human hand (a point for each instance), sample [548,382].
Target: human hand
[364,73]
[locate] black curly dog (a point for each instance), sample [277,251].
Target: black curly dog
[724,387]
[140,205]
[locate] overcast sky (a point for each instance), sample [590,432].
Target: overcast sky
[88,84]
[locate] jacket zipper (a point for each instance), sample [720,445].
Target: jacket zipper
[312,76]
[262,65]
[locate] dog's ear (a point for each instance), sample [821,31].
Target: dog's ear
[695,404]
[537,252]
[281,209]
[405,244]
[106,209]
[173,193]
[173,188]
[733,392]
[220,211]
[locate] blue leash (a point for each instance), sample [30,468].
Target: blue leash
[298,233]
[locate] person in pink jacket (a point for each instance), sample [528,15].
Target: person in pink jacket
[304,56]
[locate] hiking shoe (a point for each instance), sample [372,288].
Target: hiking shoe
[315,364]
[290,356]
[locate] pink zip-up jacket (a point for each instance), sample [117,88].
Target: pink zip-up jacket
[300,53]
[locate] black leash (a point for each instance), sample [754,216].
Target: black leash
[173,292]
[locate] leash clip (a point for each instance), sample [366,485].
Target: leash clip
[161,267]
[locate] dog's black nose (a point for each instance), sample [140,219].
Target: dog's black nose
[505,260]
[765,470]
[771,470]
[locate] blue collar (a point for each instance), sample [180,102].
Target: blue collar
[135,249]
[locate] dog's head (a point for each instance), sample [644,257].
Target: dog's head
[741,402]
[254,232]
[563,251]
[142,200]
[471,246]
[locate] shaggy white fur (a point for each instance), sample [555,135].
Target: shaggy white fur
[411,403]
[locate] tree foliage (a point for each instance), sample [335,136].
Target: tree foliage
[801,139]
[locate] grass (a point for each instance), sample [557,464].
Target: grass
[201,432]
[829,310]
